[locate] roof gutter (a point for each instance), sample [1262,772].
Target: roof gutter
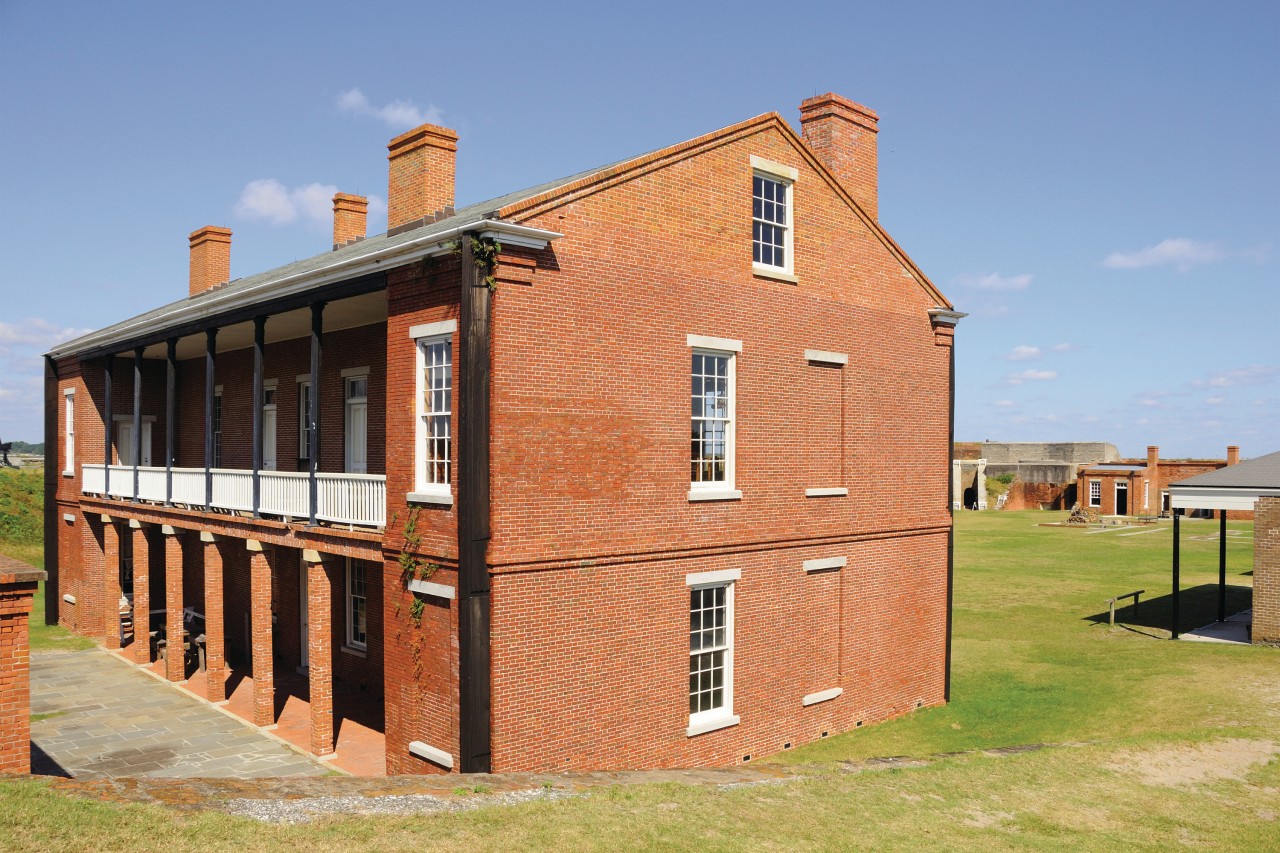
[230,299]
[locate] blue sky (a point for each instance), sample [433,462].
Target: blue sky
[1097,184]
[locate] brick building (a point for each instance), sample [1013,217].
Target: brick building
[460,466]
[1141,486]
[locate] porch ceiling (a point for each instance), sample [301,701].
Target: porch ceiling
[363,310]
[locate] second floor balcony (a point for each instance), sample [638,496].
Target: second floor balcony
[341,498]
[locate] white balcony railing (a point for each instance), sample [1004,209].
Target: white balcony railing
[342,498]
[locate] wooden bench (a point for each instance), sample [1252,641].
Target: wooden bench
[1111,604]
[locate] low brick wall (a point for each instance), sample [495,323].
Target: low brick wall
[1266,571]
[17,591]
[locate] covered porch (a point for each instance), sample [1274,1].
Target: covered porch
[1252,485]
[251,616]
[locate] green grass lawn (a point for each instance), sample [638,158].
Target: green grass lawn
[1156,745]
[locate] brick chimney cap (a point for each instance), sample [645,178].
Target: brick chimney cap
[348,200]
[422,135]
[833,104]
[210,232]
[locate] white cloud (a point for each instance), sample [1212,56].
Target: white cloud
[1254,374]
[994,281]
[1030,376]
[1003,404]
[268,200]
[1067,347]
[1179,252]
[399,115]
[38,333]
[1023,353]
[1216,400]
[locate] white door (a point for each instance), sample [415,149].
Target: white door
[124,443]
[302,610]
[269,429]
[357,437]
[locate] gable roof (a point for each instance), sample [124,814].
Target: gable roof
[569,189]
[498,215]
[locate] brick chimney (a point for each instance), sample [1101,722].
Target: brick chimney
[420,181]
[843,135]
[210,258]
[349,215]
[1233,454]
[1153,457]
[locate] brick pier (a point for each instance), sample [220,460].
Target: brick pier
[17,591]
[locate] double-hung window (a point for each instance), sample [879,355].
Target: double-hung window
[771,217]
[433,430]
[217,427]
[304,419]
[1095,493]
[711,443]
[69,469]
[357,628]
[711,650]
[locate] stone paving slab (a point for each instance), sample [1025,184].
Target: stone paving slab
[109,720]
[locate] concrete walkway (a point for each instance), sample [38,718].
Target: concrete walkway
[97,717]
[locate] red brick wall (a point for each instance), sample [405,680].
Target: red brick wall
[590,449]
[1266,571]
[1032,495]
[17,590]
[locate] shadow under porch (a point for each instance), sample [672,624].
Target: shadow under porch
[280,637]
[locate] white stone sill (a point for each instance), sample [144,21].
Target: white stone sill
[704,726]
[437,498]
[715,494]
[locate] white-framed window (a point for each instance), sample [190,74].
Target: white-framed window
[771,216]
[357,627]
[304,418]
[1095,493]
[217,426]
[433,429]
[69,395]
[713,389]
[711,650]
[1146,494]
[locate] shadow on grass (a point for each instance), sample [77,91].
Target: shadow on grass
[1198,607]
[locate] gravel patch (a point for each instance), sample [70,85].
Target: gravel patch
[306,809]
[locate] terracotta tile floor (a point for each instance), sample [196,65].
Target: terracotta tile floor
[358,717]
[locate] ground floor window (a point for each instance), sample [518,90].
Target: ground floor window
[126,562]
[711,650]
[356,626]
[1095,493]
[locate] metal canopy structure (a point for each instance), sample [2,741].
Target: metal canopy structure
[1236,487]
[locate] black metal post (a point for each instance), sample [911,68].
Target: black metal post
[108,421]
[259,338]
[1222,567]
[137,420]
[51,478]
[170,415]
[474,652]
[313,415]
[210,349]
[1177,541]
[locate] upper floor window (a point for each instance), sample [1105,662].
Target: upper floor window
[771,216]
[433,430]
[304,419]
[217,427]
[70,467]
[711,446]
